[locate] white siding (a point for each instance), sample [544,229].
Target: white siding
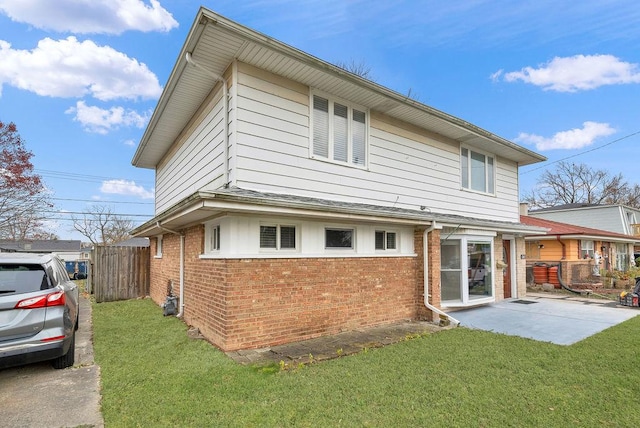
[197,161]
[240,237]
[408,168]
[603,218]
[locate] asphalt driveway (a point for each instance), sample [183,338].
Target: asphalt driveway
[37,395]
[558,319]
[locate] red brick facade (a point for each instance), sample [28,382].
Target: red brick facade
[254,303]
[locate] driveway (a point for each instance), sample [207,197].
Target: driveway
[36,395]
[558,319]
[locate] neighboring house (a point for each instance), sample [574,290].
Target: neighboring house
[295,199]
[66,250]
[583,252]
[615,218]
[132,242]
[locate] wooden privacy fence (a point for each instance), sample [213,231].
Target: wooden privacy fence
[120,273]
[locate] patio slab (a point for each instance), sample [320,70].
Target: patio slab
[558,319]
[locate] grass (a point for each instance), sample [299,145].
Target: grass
[154,375]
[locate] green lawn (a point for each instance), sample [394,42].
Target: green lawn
[154,376]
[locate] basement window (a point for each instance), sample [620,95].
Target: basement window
[211,237]
[338,238]
[158,247]
[386,240]
[277,237]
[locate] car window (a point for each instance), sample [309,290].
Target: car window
[22,278]
[61,272]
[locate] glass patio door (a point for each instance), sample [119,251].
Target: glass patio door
[466,270]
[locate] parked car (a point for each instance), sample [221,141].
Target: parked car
[38,310]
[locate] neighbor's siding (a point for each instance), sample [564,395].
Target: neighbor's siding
[602,218]
[408,166]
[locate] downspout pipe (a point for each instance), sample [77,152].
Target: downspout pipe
[181,235]
[426,276]
[225,96]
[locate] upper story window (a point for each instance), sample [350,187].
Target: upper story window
[477,171]
[278,237]
[386,240]
[339,132]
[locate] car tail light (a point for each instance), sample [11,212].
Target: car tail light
[48,300]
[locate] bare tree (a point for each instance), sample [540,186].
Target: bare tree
[358,68]
[22,193]
[573,183]
[101,226]
[28,225]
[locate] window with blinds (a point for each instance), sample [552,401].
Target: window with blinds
[277,237]
[339,132]
[211,237]
[385,240]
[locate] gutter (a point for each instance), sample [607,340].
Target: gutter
[181,235]
[426,276]
[225,96]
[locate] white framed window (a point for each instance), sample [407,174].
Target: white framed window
[338,238]
[587,249]
[477,171]
[278,237]
[386,241]
[158,246]
[466,273]
[339,131]
[622,257]
[212,237]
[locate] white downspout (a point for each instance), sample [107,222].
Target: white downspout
[181,311]
[181,294]
[225,96]
[426,277]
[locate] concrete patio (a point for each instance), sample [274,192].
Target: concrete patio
[556,318]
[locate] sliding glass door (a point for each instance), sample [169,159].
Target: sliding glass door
[466,272]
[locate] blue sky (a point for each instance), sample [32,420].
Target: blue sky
[80,78]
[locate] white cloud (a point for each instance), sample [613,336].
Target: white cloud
[69,68]
[576,73]
[576,138]
[90,16]
[101,121]
[125,187]
[130,143]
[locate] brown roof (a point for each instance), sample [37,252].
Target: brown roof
[557,228]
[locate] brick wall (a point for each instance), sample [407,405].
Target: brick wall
[254,303]
[272,301]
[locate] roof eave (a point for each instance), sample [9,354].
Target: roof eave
[143,159]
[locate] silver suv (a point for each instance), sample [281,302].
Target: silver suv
[38,310]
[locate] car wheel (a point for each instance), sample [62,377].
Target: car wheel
[67,359]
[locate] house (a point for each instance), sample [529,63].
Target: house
[69,250]
[132,242]
[612,217]
[295,199]
[581,252]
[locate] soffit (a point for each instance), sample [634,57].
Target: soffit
[215,42]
